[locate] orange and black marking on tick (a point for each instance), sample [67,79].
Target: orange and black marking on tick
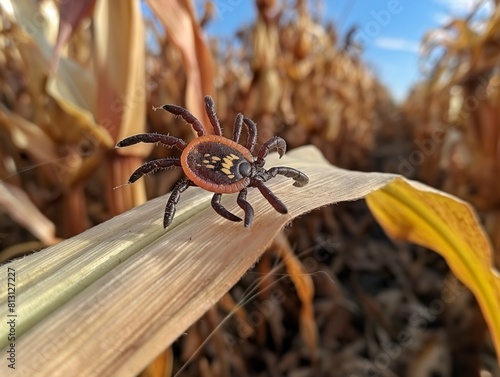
[217,164]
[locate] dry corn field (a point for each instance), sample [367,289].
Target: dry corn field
[385,265]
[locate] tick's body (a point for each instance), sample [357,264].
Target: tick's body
[218,164]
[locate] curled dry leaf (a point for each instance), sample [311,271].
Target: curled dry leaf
[100,288]
[71,13]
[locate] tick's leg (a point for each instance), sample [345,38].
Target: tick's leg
[179,188]
[165,140]
[271,198]
[275,143]
[186,115]
[238,123]
[154,166]
[219,208]
[242,202]
[300,178]
[210,109]
[251,128]
[252,133]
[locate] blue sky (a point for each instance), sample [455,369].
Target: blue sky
[391,30]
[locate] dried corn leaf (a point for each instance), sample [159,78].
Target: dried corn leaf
[115,296]
[121,92]
[178,18]
[120,66]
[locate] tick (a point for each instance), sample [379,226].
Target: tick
[217,164]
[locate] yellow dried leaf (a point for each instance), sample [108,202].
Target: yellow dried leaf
[448,226]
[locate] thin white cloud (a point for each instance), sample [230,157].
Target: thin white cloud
[442,18]
[463,7]
[458,6]
[398,44]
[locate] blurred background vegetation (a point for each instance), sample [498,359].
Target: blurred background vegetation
[78,76]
